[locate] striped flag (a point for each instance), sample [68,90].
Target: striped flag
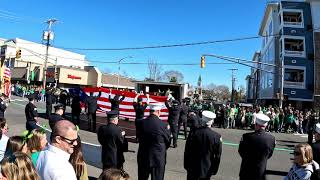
[7,74]
[126,106]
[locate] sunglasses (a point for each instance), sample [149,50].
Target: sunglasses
[296,153]
[67,140]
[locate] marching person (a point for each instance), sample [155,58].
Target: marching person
[115,102]
[57,116]
[75,110]
[91,109]
[314,119]
[3,105]
[153,144]
[112,140]
[202,163]
[173,118]
[31,114]
[316,146]
[139,108]
[49,100]
[255,149]
[183,117]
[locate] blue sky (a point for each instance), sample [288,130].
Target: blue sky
[136,23]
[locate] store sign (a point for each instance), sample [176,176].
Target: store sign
[73,77]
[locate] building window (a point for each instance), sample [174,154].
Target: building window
[292,18]
[3,51]
[294,77]
[293,46]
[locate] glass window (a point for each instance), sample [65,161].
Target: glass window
[292,18]
[294,75]
[293,44]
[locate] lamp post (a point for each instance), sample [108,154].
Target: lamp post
[119,69]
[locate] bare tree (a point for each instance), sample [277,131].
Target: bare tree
[172,76]
[154,70]
[219,92]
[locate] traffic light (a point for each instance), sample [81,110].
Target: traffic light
[203,62]
[18,54]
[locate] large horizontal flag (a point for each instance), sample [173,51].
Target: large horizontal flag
[126,106]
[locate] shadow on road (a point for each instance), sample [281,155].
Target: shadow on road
[276,173]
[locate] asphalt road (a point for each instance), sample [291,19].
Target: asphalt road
[278,165]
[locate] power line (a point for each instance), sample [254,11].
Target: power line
[12,16]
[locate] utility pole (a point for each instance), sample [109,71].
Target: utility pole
[47,36]
[233,79]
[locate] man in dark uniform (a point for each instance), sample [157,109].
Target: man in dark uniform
[153,144]
[112,140]
[63,100]
[3,105]
[255,149]
[316,146]
[173,118]
[183,117]
[115,102]
[57,116]
[91,108]
[202,163]
[31,114]
[313,120]
[139,108]
[49,101]
[75,109]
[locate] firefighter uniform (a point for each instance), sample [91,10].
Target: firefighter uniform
[31,115]
[255,149]
[173,119]
[183,118]
[54,118]
[202,163]
[92,106]
[3,106]
[153,144]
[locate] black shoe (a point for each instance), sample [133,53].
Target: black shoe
[175,146]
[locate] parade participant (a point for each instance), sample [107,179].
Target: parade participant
[114,174]
[75,109]
[18,166]
[173,118]
[31,114]
[183,117]
[139,108]
[49,100]
[3,105]
[303,164]
[202,163]
[53,163]
[316,145]
[194,121]
[112,140]
[37,143]
[153,144]
[91,109]
[63,99]
[313,120]
[115,102]
[57,116]
[255,149]
[78,163]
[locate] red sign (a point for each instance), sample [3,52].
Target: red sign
[73,77]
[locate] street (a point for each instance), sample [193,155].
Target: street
[278,165]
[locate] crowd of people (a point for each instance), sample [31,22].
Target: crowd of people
[32,157]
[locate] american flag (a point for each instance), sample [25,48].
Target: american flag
[126,106]
[7,74]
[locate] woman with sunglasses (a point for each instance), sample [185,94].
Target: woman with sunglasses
[303,163]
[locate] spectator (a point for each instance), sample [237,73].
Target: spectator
[114,174]
[303,164]
[78,163]
[4,126]
[16,144]
[53,163]
[37,143]
[3,144]
[18,166]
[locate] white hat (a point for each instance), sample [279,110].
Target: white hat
[262,119]
[155,106]
[208,116]
[317,128]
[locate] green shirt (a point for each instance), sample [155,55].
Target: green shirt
[34,157]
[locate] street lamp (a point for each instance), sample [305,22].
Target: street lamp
[119,68]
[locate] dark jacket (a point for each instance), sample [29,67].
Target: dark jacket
[174,113]
[3,108]
[255,149]
[139,109]
[316,151]
[31,112]
[49,98]
[75,105]
[153,143]
[113,146]
[92,104]
[203,162]
[53,119]
[184,113]
[115,102]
